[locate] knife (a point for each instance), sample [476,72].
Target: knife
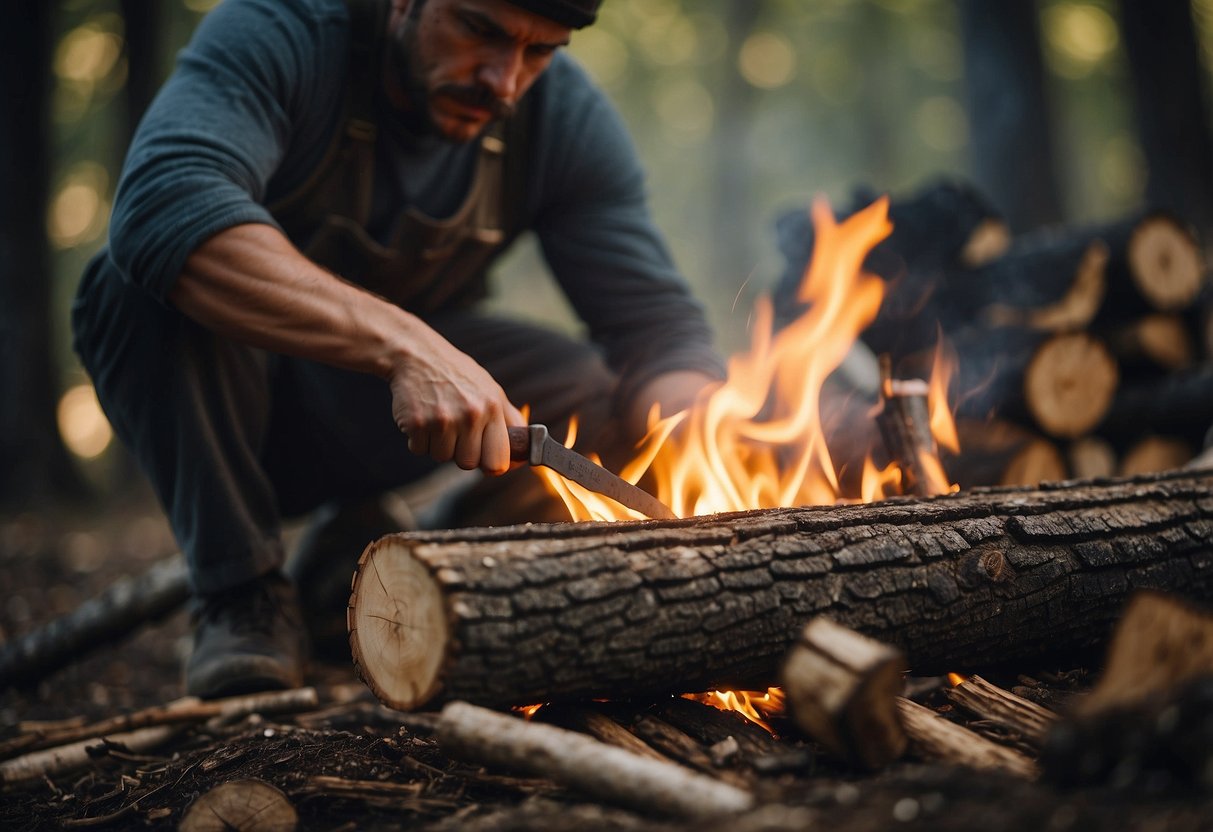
[534,445]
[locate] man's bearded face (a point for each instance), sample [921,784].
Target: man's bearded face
[462,64]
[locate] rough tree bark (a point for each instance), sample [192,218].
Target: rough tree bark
[529,614]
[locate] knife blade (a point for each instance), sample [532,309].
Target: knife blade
[534,445]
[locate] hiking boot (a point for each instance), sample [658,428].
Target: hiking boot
[247,639]
[323,565]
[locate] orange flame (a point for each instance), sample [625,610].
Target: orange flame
[753,705]
[955,679]
[943,370]
[756,441]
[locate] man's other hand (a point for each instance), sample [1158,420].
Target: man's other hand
[674,392]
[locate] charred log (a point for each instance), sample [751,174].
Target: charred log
[518,615]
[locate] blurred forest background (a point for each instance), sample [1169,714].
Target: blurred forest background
[1060,110]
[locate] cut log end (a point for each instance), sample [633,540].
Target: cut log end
[1069,384]
[1165,262]
[243,806]
[398,629]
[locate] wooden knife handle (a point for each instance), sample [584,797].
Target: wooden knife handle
[520,444]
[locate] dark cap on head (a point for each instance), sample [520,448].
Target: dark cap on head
[575,14]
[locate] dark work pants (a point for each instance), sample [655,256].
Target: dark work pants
[234,438]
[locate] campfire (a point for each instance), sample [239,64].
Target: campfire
[782,524]
[759,440]
[840,571]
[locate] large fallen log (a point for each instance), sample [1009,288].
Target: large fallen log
[526,614]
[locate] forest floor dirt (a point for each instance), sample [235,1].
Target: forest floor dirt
[51,562]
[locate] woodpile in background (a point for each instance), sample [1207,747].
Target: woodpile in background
[1081,352]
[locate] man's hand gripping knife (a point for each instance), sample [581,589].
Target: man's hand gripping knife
[249,283]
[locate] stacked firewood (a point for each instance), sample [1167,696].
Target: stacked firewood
[1080,352]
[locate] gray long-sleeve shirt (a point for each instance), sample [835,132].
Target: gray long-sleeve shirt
[253,104]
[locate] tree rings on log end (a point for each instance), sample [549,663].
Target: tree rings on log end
[1069,384]
[398,625]
[242,805]
[1165,262]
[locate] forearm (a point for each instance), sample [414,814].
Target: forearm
[248,283]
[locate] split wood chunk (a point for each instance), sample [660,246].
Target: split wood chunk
[1153,454]
[1160,644]
[841,690]
[546,613]
[1069,384]
[935,738]
[481,736]
[990,702]
[241,806]
[1148,720]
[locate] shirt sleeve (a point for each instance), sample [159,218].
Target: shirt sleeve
[600,241]
[211,141]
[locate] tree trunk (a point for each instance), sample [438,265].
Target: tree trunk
[144,34]
[527,614]
[33,462]
[1009,119]
[733,255]
[1172,113]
